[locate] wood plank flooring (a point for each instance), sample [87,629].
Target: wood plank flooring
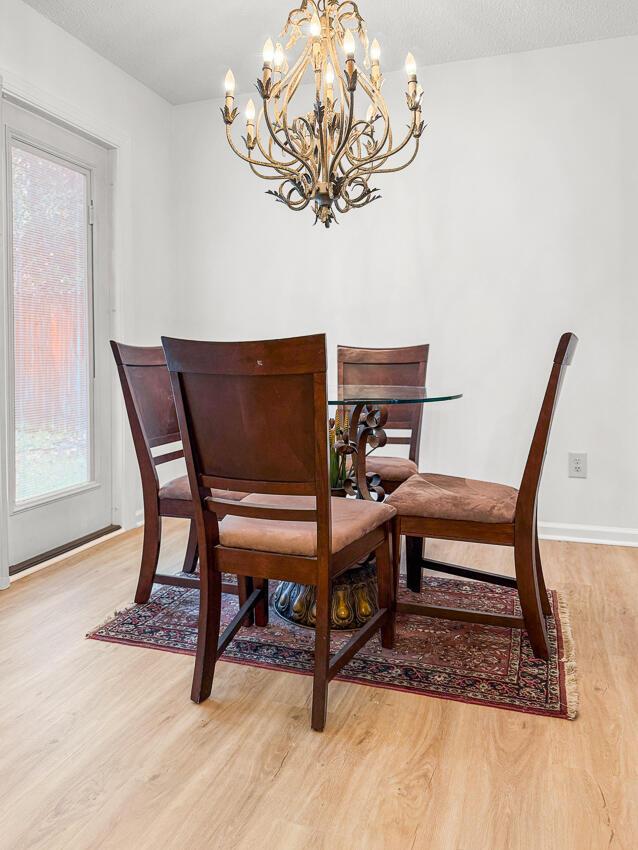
[100,746]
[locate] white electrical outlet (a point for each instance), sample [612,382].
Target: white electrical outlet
[577,465]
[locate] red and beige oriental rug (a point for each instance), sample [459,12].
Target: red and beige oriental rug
[483,665]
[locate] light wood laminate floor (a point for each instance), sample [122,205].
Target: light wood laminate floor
[100,746]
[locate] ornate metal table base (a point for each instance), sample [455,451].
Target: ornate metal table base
[366,432]
[354,593]
[354,599]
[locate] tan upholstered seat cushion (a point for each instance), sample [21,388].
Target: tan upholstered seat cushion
[351,519]
[448,497]
[391,468]
[179,488]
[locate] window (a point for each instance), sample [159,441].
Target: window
[51,324]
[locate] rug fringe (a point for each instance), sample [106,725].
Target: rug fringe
[107,620]
[569,658]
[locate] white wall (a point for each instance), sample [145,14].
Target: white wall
[518,221]
[41,60]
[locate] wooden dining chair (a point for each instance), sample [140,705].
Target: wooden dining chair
[451,508]
[150,407]
[390,367]
[253,417]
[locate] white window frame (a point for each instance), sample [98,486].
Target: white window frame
[19,139]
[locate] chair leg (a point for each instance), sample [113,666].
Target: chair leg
[413,560]
[244,589]
[210,608]
[396,556]
[190,558]
[540,578]
[261,609]
[385,584]
[528,592]
[150,555]
[322,654]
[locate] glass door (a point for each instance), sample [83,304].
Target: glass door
[59,434]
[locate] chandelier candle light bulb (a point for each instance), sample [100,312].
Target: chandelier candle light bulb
[348,44]
[349,47]
[229,86]
[315,26]
[229,113]
[250,124]
[410,70]
[321,153]
[279,57]
[329,78]
[330,74]
[268,52]
[268,55]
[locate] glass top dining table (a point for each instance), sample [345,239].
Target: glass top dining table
[378,395]
[368,409]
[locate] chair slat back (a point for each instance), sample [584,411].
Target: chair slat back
[253,417]
[526,504]
[148,397]
[144,374]
[389,367]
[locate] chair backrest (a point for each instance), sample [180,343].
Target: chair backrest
[390,367]
[253,417]
[527,496]
[148,396]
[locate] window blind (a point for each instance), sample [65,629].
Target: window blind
[51,322]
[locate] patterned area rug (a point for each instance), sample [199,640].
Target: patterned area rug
[485,665]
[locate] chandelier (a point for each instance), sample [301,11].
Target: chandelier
[328,155]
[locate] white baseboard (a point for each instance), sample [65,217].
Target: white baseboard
[65,555]
[605,534]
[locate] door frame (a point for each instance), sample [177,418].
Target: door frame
[118,143]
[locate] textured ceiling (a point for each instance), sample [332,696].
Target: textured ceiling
[182,48]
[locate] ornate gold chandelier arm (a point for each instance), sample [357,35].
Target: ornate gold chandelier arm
[366,168]
[289,198]
[277,176]
[308,162]
[291,82]
[291,165]
[405,164]
[309,166]
[339,151]
[380,105]
[362,137]
[333,58]
[250,159]
[294,166]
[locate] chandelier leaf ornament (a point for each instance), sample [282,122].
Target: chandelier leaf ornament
[329,155]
